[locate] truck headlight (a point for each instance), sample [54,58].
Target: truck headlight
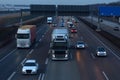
[66,55]
[53,55]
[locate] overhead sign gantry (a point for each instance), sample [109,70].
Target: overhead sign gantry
[60,10]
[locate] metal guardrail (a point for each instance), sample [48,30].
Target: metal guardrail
[113,39]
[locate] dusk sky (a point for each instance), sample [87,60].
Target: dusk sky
[68,2]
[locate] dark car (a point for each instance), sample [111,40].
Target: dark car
[80,44]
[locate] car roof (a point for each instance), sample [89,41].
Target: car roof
[80,41]
[30,61]
[101,48]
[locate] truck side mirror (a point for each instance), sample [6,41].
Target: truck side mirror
[50,45]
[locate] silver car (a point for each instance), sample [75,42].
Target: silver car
[101,51]
[80,44]
[30,67]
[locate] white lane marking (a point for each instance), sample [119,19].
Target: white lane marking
[71,55]
[81,38]
[92,56]
[46,62]
[49,51]
[42,35]
[105,75]
[23,61]
[39,40]
[43,76]
[11,76]
[7,55]
[39,30]
[106,47]
[31,51]
[36,45]
[39,76]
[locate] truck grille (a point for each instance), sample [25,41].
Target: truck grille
[59,54]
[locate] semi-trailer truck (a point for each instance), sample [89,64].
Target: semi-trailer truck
[60,44]
[26,35]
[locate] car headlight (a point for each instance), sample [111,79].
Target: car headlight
[83,46]
[33,70]
[98,52]
[23,70]
[105,52]
[78,46]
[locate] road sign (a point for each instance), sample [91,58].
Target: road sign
[109,10]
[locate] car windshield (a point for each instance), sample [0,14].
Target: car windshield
[30,64]
[101,49]
[80,42]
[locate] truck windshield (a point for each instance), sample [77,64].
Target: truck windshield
[22,36]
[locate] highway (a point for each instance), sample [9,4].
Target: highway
[82,65]
[106,25]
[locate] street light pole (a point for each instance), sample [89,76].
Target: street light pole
[21,17]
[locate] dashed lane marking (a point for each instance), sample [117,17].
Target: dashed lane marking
[105,75]
[23,61]
[7,55]
[11,76]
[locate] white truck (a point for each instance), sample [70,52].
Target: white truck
[25,36]
[60,44]
[49,20]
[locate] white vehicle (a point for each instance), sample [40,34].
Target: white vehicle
[49,20]
[60,32]
[25,36]
[80,44]
[30,67]
[60,44]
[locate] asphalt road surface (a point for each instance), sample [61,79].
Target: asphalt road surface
[82,65]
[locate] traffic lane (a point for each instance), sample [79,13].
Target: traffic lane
[7,50]
[11,63]
[11,60]
[88,70]
[107,60]
[85,62]
[106,26]
[62,70]
[40,54]
[109,23]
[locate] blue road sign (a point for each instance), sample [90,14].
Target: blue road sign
[109,10]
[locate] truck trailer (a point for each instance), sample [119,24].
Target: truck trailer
[26,35]
[60,44]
